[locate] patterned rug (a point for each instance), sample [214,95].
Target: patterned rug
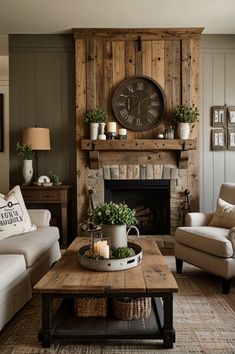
[204,321]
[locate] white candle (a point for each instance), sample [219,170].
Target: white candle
[111,127]
[104,250]
[122,131]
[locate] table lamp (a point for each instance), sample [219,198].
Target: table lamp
[39,139]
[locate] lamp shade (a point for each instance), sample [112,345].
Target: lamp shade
[38,138]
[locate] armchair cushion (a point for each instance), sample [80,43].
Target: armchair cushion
[198,219]
[14,218]
[224,215]
[209,239]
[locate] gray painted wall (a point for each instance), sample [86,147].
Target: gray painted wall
[217,74]
[42,93]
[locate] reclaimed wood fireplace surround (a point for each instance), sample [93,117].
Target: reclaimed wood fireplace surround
[104,58]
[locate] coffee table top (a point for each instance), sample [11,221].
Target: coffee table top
[151,276]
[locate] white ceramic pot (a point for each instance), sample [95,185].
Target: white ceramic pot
[27,171]
[118,234]
[102,128]
[94,129]
[183,130]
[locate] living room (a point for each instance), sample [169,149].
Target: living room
[56,64]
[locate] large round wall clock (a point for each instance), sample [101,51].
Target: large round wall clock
[139,103]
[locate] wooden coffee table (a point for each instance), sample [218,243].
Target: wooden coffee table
[67,280]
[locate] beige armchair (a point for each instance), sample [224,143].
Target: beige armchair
[208,239]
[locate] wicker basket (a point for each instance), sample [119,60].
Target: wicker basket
[131,308]
[91,307]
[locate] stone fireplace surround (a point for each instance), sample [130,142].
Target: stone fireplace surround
[178,183]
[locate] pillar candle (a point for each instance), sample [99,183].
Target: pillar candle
[104,250]
[111,127]
[122,131]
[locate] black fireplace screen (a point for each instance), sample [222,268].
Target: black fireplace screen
[150,199]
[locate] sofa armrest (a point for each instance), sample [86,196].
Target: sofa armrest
[40,217]
[231,238]
[198,219]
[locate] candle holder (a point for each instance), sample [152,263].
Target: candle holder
[111,135]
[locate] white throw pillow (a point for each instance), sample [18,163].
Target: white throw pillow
[14,217]
[224,215]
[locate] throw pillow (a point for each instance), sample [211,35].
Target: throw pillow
[224,215]
[14,217]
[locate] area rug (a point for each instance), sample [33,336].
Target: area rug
[204,321]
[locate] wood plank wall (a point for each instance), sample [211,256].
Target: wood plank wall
[105,57]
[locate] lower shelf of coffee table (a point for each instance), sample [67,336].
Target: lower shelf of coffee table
[68,326]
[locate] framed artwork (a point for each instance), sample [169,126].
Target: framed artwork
[231,139]
[219,116]
[218,139]
[231,116]
[1,122]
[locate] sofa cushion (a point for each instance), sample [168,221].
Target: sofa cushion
[11,267]
[209,239]
[224,215]
[32,244]
[14,218]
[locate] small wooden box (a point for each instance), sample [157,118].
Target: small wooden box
[91,307]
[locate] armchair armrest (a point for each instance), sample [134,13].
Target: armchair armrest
[231,237]
[198,219]
[40,217]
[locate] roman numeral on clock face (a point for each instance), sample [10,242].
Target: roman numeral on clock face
[130,88]
[124,113]
[153,112]
[140,86]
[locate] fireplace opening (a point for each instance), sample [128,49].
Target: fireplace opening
[150,199]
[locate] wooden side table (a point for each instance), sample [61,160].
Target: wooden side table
[50,195]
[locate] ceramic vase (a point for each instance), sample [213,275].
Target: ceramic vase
[27,171]
[94,129]
[183,130]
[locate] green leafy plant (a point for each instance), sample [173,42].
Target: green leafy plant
[185,114]
[24,151]
[97,115]
[110,213]
[123,252]
[54,177]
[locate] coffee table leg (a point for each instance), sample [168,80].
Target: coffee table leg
[168,330]
[44,334]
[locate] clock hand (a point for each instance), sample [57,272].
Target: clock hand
[138,103]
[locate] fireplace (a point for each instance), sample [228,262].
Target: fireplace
[150,199]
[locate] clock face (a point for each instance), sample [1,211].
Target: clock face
[139,103]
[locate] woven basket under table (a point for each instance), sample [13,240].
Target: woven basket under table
[91,307]
[131,308]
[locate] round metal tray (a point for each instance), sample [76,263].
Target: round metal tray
[104,265]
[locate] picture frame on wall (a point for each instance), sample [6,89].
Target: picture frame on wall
[219,116]
[218,139]
[1,121]
[231,139]
[231,116]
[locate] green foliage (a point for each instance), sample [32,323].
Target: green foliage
[24,151]
[110,213]
[123,252]
[54,177]
[185,114]
[97,115]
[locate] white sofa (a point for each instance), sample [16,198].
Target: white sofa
[24,259]
[208,239]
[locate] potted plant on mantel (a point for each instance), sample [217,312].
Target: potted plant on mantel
[114,219]
[25,152]
[96,117]
[182,116]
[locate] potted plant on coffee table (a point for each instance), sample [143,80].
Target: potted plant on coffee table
[183,116]
[96,117]
[114,219]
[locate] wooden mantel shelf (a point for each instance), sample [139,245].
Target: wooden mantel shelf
[96,146]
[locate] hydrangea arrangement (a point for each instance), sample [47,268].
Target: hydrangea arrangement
[24,151]
[110,213]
